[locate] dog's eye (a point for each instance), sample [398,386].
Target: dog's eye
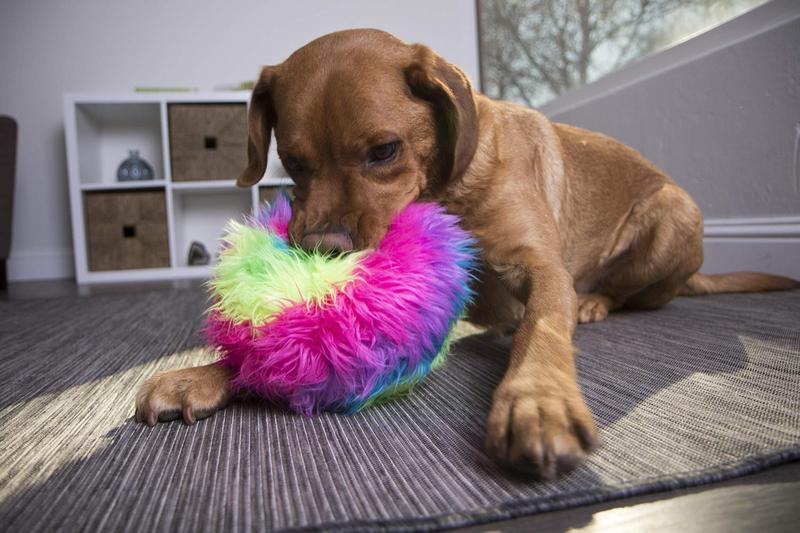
[383,152]
[292,165]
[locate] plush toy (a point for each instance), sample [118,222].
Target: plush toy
[317,332]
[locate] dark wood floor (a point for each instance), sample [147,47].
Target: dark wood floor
[764,502]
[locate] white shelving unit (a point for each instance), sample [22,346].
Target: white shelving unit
[100,128]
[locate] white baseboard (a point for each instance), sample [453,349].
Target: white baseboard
[766,244]
[769,227]
[32,265]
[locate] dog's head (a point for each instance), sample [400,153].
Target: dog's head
[365,124]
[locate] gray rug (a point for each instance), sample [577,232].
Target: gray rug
[702,390]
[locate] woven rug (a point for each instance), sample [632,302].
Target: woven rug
[703,390]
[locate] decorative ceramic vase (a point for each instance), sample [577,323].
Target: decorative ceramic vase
[135,168]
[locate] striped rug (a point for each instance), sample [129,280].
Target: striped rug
[702,390]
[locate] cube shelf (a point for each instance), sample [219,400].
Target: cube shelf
[201,216]
[105,133]
[142,230]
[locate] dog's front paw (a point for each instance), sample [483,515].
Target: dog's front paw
[593,307]
[189,393]
[545,431]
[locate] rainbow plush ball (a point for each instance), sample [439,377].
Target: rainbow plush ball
[317,332]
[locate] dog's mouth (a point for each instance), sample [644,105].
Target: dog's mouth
[328,242]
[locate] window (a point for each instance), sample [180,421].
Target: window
[535,50]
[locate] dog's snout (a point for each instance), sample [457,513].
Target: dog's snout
[334,238]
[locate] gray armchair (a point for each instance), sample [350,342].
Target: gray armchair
[8,160]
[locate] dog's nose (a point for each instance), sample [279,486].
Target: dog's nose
[332,239]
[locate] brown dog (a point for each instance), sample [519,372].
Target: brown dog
[572,224]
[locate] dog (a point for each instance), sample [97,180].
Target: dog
[571,224]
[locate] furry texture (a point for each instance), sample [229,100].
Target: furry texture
[315,333]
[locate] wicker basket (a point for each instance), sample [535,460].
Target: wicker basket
[207,141]
[126,230]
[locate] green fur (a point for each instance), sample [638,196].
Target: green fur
[440,358]
[258,275]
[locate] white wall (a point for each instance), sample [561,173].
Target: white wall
[51,47]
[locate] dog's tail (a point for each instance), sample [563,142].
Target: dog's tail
[736,282]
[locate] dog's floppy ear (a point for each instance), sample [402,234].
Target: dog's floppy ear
[261,119]
[448,90]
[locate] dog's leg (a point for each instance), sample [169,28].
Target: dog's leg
[188,393]
[539,421]
[494,307]
[662,248]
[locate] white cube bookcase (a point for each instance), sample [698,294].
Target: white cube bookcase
[100,128]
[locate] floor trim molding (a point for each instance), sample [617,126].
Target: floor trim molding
[40,264]
[766,227]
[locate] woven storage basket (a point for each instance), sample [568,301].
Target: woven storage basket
[207,141]
[126,230]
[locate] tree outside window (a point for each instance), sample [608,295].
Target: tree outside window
[535,50]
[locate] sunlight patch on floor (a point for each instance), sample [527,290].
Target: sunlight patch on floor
[73,424]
